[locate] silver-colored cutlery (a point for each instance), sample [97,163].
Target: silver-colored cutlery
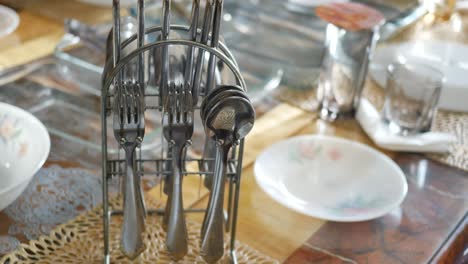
[209,149]
[228,116]
[178,130]
[178,71]
[129,130]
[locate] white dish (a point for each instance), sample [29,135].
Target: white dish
[24,147]
[450,58]
[331,178]
[9,20]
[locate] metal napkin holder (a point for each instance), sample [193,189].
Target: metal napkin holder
[113,163]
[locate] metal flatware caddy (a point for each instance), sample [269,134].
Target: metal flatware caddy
[170,72]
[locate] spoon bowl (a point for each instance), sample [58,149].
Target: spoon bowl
[218,97]
[233,116]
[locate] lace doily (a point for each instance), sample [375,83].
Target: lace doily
[81,241]
[8,243]
[54,196]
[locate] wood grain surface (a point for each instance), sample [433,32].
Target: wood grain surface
[436,205]
[430,216]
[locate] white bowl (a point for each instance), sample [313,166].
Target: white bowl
[9,20]
[331,178]
[24,147]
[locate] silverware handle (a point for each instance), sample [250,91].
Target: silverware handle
[133,212]
[193,37]
[166,27]
[141,42]
[207,20]
[167,187]
[212,246]
[209,153]
[176,240]
[218,10]
[116,37]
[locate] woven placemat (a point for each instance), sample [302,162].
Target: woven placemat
[445,121]
[81,241]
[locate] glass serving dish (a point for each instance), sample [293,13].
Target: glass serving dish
[288,41]
[74,118]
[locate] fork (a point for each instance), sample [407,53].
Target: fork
[129,130]
[178,130]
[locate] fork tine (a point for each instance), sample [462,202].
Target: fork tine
[136,108]
[177,103]
[180,108]
[130,104]
[185,101]
[172,104]
[124,105]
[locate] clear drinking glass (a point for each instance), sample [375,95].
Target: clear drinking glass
[412,95]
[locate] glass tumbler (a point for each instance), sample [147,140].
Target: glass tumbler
[351,34]
[411,97]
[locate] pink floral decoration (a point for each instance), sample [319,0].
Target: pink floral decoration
[334,154]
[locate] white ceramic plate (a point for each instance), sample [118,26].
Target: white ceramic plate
[450,58]
[9,20]
[331,178]
[24,147]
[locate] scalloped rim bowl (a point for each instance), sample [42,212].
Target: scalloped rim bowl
[24,148]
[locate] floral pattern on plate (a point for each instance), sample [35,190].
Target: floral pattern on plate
[358,205]
[10,135]
[309,151]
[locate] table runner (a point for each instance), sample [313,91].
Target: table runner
[265,129]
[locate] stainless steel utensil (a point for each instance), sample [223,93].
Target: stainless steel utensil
[129,130]
[230,120]
[209,149]
[211,79]
[178,130]
[176,77]
[205,32]
[176,104]
[212,99]
[191,51]
[166,28]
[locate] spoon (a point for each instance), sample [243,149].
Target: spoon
[209,148]
[213,93]
[230,120]
[220,96]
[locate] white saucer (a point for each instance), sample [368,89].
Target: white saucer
[331,178]
[9,20]
[24,147]
[450,58]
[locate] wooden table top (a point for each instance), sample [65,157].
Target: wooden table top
[429,226]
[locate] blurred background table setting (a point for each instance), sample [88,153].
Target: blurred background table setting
[354,115]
